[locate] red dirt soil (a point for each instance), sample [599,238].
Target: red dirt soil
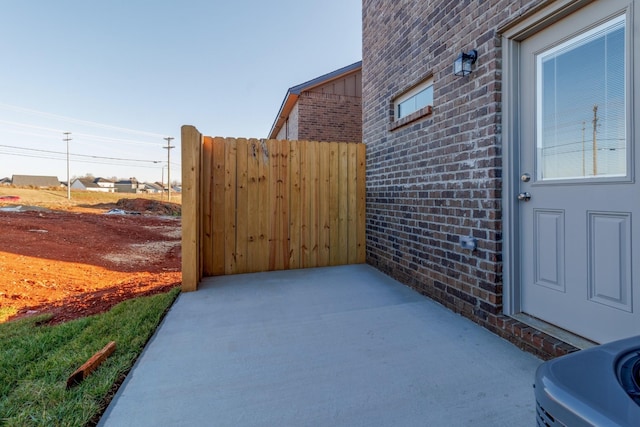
[75,264]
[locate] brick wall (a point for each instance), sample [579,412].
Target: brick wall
[438,179]
[329,117]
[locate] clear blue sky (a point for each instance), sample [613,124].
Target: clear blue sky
[121,75]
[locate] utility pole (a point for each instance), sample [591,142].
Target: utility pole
[67,139]
[168,148]
[163,166]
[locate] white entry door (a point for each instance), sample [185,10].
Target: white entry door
[579,198]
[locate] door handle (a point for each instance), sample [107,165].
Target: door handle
[524,197]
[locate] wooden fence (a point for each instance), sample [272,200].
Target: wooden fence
[252,205]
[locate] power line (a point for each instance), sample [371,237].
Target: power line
[77,121]
[80,155]
[31,156]
[53,130]
[109,137]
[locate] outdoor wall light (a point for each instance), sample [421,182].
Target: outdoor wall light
[462,64]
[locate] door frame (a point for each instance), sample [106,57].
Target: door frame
[512,36]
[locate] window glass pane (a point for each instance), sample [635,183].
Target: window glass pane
[415,102]
[424,98]
[581,107]
[406,107]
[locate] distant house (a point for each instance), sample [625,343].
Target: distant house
[39,181]
[327,108]
[152,187]
[97,184]
[84,184]
[5,181]
[131,185]
[106,184]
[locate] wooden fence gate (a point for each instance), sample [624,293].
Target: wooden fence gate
[252,205]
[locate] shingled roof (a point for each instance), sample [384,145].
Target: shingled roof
[35,181]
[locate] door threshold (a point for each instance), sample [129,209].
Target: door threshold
[554,331]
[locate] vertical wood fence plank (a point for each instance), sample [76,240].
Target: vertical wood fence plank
[191,141]
[278,217]
[305,244]
[352,199]
[343,207]
[361,191]
[242,209]
[284,202]
[218,227]
[207,205]
[324,226]
[230,205]
[295,214]
[263,212]
[334,205]
[273,224]
[275,203]
[253,206]
[312,165]
[199,208]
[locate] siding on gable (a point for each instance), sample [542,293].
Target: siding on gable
[350,85]
[438,179]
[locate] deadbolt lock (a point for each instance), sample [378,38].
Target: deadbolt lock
[525,177]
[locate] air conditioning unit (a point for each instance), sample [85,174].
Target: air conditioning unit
[595,387]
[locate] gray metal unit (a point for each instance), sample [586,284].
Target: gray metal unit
[595,387]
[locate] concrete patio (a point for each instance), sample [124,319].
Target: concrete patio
[338,346]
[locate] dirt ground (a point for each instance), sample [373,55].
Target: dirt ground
[82,261]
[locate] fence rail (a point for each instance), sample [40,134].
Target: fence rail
[254,205]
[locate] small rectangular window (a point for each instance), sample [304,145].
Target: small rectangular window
[419,97]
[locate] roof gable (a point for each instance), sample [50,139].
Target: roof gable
[153,186]
[294,92]
[88,182]
[324,79]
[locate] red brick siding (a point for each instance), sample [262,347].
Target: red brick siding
[329,117]
[438,179]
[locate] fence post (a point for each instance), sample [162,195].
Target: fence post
[191,147]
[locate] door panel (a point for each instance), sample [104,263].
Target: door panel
[577,143]
[550,249]
[610,260]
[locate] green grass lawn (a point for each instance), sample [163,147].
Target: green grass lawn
[36,359]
